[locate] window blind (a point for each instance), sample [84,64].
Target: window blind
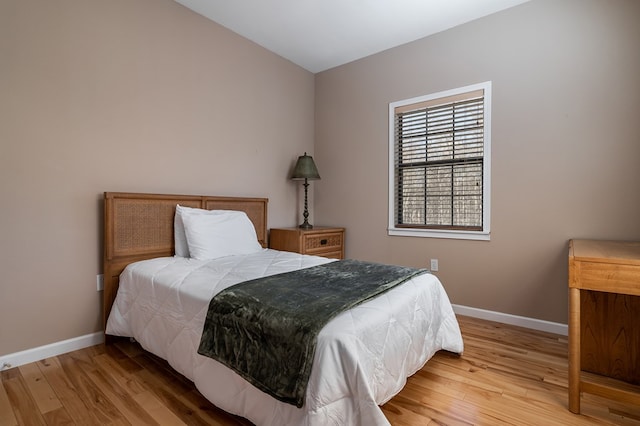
[439,151]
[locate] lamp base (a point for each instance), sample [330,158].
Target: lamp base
[305,214]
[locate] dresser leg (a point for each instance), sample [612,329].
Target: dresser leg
[574,350]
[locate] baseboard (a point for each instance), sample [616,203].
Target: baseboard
[36,354]
[532,323]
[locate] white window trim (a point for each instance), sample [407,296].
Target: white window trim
[485,234]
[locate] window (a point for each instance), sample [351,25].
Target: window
[439,164]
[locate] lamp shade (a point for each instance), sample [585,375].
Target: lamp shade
[305,169]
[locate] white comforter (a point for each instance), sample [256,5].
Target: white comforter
[363,355]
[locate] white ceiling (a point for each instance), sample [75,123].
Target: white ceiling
[322,34]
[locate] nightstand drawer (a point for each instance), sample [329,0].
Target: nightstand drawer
[331,254]
[322,243]
[317,241]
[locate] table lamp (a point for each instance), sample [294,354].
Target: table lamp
[305,169]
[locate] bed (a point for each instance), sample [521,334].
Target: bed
[363,355]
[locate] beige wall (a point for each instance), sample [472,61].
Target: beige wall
[565,146]
[120,95]
[147,96]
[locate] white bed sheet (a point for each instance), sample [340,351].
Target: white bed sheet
[363,355]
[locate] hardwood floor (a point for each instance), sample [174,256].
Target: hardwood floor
[507,376]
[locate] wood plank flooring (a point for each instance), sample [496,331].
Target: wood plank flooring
[507,376]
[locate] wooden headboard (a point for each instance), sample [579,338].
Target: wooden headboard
[140,226]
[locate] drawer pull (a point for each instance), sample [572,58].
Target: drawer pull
[323,242]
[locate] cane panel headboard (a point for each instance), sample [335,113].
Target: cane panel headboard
[140,226]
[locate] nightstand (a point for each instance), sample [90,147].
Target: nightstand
[318,241]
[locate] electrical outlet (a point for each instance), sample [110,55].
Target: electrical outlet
[434,265]
[100,282]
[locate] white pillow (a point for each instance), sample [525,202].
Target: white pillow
[227,233]
[179,237]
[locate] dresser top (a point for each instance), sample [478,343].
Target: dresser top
[624,252]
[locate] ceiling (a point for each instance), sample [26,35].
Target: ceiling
[322,34]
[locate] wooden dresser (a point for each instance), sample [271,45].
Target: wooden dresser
[604,320]
[318,241]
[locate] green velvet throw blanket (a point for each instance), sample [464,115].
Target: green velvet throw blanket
[265,329]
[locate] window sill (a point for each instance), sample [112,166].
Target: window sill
[428,233]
